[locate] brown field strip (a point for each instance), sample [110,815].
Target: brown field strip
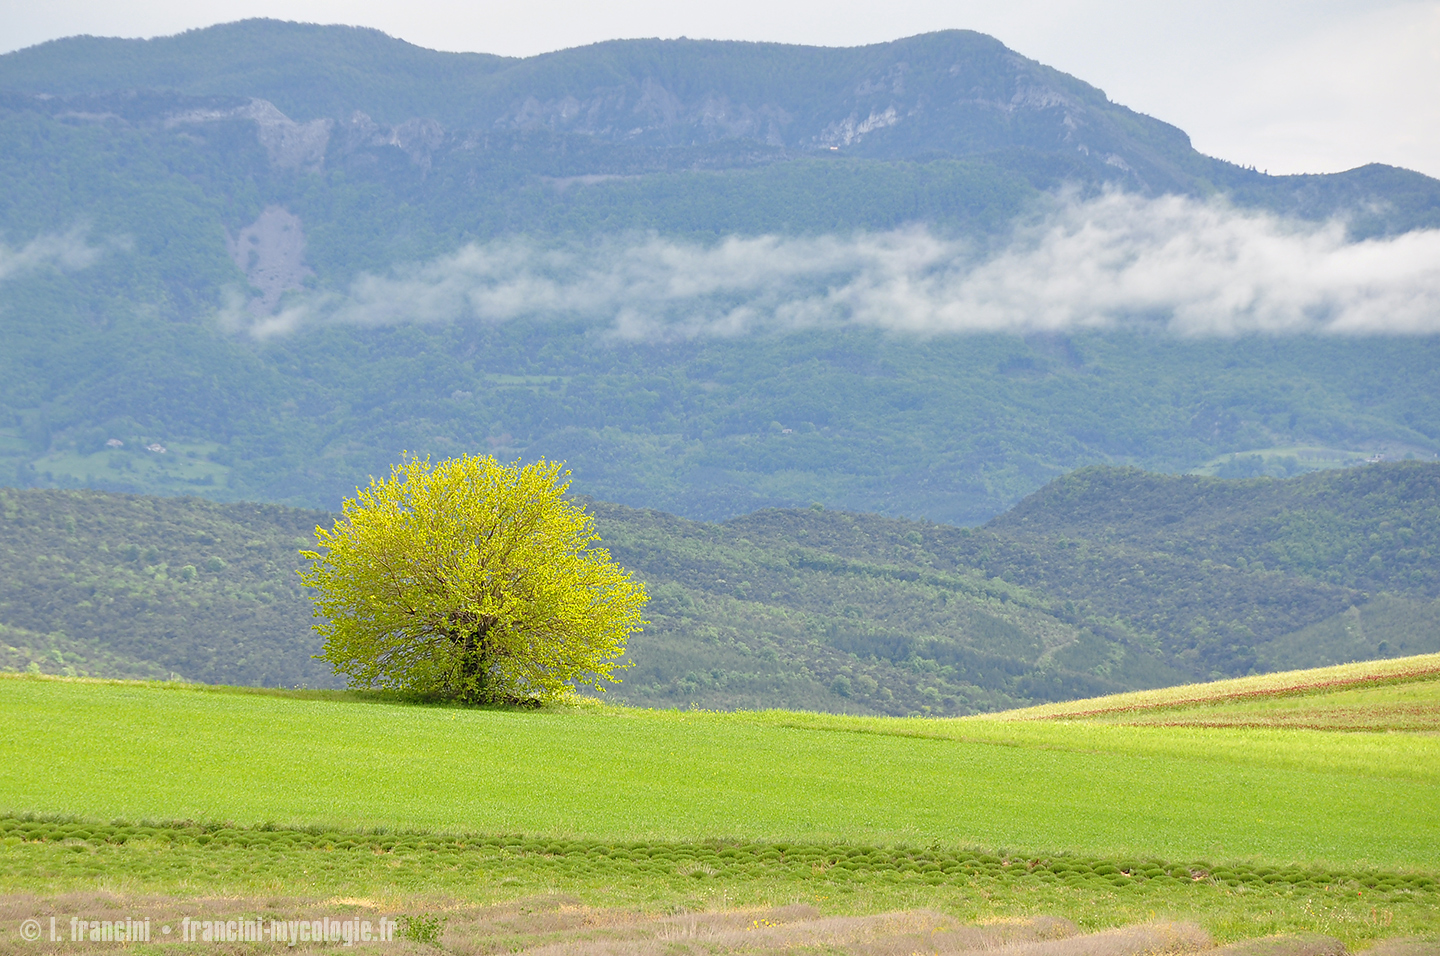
[1406,719]
[1290,684]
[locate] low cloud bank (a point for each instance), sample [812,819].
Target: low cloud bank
[65,251]
[1194,268]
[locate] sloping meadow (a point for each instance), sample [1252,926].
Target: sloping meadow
[611,830]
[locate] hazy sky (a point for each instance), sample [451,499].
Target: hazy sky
[1284,85]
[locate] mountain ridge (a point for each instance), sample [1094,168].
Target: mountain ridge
[953,93]
[625,107]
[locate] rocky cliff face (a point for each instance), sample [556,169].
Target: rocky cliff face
[956,93]
[953,94]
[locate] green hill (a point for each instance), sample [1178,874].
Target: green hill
[1214,577]
[1353,545]
[1106,580]
[125,586]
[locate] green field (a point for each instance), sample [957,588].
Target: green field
[134,789]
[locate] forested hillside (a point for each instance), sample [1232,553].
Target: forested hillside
[953,429]
[116,585]
[285,253]
[1106,580]
[1228,576]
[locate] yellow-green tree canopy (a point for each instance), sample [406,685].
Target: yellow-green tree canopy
[471,580]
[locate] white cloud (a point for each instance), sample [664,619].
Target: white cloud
[1198,268]
[67,252]
[1191,267]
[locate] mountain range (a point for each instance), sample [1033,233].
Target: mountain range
[260,260]
[321,96]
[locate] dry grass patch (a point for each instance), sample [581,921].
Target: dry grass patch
[1405,947]
[1376,718]
[1285,946]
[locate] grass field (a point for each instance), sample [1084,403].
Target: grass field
[136,751]
[313,796]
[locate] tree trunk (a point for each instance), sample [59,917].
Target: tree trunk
[477,660]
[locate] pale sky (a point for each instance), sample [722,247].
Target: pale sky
[1284,85]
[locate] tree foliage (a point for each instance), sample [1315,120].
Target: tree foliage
[471,580]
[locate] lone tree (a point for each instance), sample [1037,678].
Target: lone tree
[473,581]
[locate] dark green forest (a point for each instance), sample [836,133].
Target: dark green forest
[1105,580]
